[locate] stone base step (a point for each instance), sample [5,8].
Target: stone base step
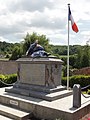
[39,88]
[13,113]
[40,95]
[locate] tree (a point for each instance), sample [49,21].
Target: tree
[6,48]
[17,53]
[21,48]
[85,59]
[29,39]
[78,58]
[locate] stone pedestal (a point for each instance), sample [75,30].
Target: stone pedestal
[40,71]
[76,96]
[40,78]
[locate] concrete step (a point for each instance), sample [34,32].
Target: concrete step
[4,118]
[40,95]
[13,113]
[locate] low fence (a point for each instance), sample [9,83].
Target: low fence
[8,67]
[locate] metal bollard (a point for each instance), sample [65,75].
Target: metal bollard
[76,96]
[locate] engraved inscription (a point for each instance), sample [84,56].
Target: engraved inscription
[13,102]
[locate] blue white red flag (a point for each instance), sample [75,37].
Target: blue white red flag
[70,18]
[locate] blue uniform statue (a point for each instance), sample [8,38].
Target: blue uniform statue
[36,50]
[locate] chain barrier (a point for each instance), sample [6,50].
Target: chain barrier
[86,87]
[85,96]
[7,83]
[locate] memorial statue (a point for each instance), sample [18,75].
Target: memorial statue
[36,50]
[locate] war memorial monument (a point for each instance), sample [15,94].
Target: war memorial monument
[39,92]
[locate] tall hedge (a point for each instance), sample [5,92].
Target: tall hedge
[77,79]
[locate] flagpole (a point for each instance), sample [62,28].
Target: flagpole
[68,53]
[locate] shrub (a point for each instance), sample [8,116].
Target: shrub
[2,78]
[77,79]
[7,80]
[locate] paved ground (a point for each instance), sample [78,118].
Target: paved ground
[86,117]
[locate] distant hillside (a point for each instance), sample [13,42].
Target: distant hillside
[62,50]
[54,49]
[6,47]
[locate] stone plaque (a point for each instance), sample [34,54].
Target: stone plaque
[13,102]
[32,74]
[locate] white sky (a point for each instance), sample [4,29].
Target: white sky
[48,17]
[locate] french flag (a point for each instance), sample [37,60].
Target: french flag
[74,26]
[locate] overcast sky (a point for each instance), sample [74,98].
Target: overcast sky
[48,17]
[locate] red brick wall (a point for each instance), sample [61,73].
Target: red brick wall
[83,71]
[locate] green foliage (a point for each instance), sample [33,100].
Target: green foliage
[10,78]
[7,56]
[72,60]
[7,79]
[6,48]
[2,78]
[77,79]
[62,50]
[17,53]
[30,38]
[85,59]
[64,70]
[79,55]
[79,59]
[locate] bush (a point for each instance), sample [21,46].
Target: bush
[2,78]
[77,79]
[7,80]
[7,56]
